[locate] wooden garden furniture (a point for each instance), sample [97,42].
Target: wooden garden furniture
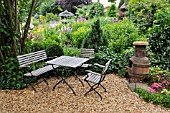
[68,61]
[32,59]
[95,79]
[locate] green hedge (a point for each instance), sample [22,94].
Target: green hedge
[158,99]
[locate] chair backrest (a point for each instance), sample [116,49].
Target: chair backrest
[26,59]
[86,53]
[106,66]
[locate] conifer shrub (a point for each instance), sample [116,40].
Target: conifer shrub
[95,38]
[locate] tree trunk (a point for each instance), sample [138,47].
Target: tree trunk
[27,26]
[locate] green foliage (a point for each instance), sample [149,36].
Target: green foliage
[111,1]
[90,11]
[156,73]
[159,38]
[121,35]
[36,47]
[49,6]
[142,13]
[12,79]
[54,50]
[51,17]
[95,38]
[79,35]
[158,99]
[96,10]
[112,11]
[71,51]
[119,62]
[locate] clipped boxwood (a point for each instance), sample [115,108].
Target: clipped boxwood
[54,50]
[159,99]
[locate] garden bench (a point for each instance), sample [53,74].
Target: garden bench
[33,58]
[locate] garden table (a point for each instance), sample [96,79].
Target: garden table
[68,61]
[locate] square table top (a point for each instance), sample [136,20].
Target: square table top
[68,61]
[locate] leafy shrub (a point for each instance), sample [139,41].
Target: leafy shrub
[121,35]
[159,39]
[79,35]
[95,38]
[13,78]
[71,51]
[156,74]
[96,10]
[54,50]
[112,11]
[51,17]
[119,62]
[49,7]
[142,13]
[158,99]
[90,11]
[77,25]
[36,47]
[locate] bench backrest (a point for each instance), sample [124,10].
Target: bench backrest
[26,59]
[87,53]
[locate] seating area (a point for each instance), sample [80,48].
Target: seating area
[118,99]
[27,60]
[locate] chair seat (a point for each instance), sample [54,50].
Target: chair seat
[95,78]
[41,70]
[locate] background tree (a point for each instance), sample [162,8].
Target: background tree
[15,18]
[95,38]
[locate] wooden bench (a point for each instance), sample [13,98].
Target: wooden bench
[86,53]
[32,58]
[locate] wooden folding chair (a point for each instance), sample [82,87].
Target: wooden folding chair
[94,79]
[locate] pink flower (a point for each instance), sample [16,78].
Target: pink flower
[31,36]
[114,20]
[156,85]
[38,37]
[165,81]
[152,90]
[81,19]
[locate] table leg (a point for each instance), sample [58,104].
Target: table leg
[79,79]
[64,81]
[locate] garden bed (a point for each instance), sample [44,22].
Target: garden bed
[118,98]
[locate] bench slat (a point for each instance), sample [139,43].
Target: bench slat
[41,70]
[30,58]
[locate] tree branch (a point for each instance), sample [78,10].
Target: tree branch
[26,28]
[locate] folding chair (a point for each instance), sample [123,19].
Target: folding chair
[94,79]
[86,53]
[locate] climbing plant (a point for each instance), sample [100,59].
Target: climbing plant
[13,15]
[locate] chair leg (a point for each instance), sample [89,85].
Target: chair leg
[103,87]
[93,89]
[98,94]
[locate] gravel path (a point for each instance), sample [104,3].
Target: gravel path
[117,99]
